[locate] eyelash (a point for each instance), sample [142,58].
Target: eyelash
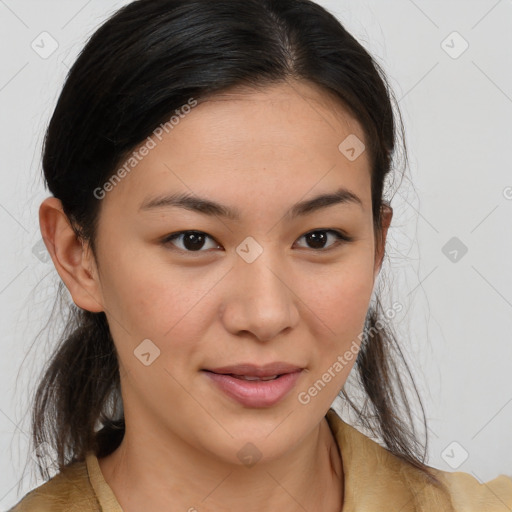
[341,237]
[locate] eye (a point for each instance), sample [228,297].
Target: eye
[194,241]
[319,237]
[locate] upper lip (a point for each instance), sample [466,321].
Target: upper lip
[251,370]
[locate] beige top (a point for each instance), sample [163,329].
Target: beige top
[375,480]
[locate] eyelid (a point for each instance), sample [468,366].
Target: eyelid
[169,238]
[341,238]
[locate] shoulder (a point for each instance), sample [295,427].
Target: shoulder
[68,491]
[374,475]
[457,492]
[468,494]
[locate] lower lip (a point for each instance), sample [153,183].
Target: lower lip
[256,393]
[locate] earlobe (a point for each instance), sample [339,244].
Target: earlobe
[71,257]
[386,216]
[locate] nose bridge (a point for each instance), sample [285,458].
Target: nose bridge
[263,298]
[264,277]
[261,272]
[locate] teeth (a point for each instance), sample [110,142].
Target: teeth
[247,377]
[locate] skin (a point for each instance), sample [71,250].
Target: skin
[260,151]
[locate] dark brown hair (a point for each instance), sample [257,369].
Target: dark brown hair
[139,67]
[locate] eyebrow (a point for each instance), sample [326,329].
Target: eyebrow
[209,207]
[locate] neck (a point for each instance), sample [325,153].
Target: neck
[146,473]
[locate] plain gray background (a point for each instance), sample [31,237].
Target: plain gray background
[449,63]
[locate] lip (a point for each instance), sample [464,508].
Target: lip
[252,370]
[256,393]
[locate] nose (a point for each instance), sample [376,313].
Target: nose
[260,300]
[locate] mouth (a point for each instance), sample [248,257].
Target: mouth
[252,377]
[267,371]
[255,386]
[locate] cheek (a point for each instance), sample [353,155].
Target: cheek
[341,296]
[144,292]
[350,299]
[158,301]
[340,308]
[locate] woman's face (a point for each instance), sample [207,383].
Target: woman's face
[257,290]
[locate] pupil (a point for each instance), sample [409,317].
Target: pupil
[191,239]
[318,239]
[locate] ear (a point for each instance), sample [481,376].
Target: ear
[386,216]
[71,256]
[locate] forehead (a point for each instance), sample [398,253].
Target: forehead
[295,114]
[277,141]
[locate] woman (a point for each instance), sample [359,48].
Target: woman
[218,217]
